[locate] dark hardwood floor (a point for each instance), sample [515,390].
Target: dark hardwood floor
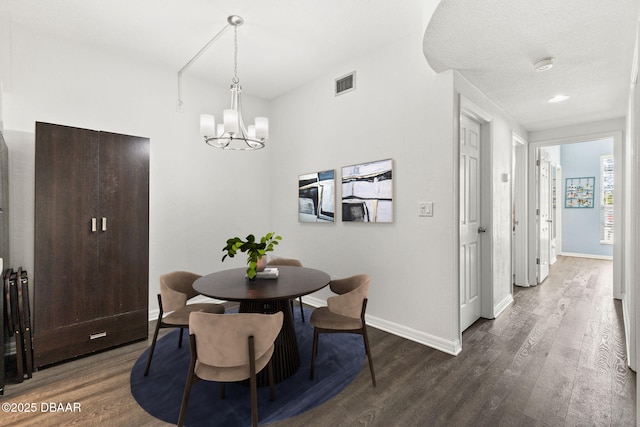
[556,357]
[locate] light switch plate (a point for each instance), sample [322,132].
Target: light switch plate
[425,209]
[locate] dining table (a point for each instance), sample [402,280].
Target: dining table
[268,295]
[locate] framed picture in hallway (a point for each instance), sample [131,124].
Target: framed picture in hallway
[317,196]
[367,192]
[579,192]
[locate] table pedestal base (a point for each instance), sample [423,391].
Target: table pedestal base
[286,356]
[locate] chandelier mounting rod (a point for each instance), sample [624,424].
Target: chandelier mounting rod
[232,21]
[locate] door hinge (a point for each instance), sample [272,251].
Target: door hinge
[537,162]
[537,211]
[537,261]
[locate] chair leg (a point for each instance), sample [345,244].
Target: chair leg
[301,309]
[314,351]
[185,400]
[180,340]
[368,350]
[253,383]
[272,390]
[191,379]
[254,401]
[153,346]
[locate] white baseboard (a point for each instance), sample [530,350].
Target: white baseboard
[607,257]
[627,332]
[523,285]
[502,305]
[451,347]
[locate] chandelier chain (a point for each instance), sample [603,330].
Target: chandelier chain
[235,55]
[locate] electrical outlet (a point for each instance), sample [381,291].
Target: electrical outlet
[425,209]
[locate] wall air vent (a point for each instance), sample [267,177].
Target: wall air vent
[346,83]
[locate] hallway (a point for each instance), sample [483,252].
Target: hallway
[556,357]
[571,368]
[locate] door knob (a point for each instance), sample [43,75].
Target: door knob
[482,230]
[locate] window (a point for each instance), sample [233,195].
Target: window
[606,199]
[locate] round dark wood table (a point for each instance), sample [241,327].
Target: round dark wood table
[268,296]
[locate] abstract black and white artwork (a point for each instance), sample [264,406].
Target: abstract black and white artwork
[317,197]
[367,192]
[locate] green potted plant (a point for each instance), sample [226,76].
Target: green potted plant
[255,249]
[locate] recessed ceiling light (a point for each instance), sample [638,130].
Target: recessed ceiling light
[543,64]
[558,98]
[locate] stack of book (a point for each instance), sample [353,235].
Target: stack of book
[268,273]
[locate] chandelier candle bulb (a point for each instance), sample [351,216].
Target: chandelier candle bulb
[207,125]
[231,121]
[262,127]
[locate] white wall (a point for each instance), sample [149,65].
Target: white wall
[408,114]
[400,110]
[199,196]
[631,205]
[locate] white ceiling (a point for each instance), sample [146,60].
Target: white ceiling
[285,43]
[282,44]
[495,43]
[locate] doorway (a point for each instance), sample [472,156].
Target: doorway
[543,214]
[471,229]
[475,291]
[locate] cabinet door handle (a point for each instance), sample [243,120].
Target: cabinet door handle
[94,225]
[98,335]
[104,224]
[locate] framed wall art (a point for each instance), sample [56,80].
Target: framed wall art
[367,192]
[317,197]
[579,192]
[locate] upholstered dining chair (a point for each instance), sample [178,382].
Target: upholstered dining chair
[295,263]
[344,314]
[229,348]
[176,288]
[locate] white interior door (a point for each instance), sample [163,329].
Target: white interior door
[544,216]
[470,222]
[553,209]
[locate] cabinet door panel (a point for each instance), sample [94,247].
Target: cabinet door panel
[124,201]
[66,195]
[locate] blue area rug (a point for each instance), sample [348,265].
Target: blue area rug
[340,359]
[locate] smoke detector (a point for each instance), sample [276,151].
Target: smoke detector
[543,64]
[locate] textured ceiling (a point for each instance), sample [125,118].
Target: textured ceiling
[495,43]
[282,44]
[285,43]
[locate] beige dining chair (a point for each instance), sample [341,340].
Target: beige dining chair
[294,263]
[176,288]
[229,348]
[344,314]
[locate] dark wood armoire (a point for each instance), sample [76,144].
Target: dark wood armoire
[91,272]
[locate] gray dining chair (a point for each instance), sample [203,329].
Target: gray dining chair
[344,313]
[294,263]
[229,348]
[176,288]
